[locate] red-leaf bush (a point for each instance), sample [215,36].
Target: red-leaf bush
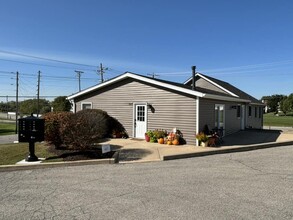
[53,121]
[81,130]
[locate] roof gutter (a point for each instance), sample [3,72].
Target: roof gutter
[224,98]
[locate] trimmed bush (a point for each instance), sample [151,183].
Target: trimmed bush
[116,129]
[81,130]
[53,121]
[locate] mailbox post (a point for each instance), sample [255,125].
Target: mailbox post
[31,129]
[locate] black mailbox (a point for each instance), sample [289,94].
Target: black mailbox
[31,129]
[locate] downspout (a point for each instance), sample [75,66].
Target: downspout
[197,104]
[197,120]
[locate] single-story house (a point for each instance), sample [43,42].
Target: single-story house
[142,103]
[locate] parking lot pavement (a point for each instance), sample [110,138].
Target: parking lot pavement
[247,185]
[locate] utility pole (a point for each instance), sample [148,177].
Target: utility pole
[78,76]
[16,112]
[38,93]
[102,71]
[7,105]
[153,75]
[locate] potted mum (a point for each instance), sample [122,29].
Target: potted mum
[202,138]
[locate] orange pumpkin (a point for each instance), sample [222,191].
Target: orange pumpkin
[175,142]
[169,142]
[161,141]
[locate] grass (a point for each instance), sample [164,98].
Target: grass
[7,128]
[281,121]
[13,153]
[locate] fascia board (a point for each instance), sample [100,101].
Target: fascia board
[96,87]
[217,85]
[166,85]
[130,75]
[225,98]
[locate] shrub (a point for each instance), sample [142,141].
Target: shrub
[116,128]
[83,129]
[160,133]
[53,121]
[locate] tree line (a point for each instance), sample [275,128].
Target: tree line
[279,102]
[31,106]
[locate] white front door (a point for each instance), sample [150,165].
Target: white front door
[140,121]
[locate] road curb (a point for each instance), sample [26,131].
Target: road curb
[112,160]
[227,150]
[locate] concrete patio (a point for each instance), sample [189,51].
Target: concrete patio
[134,150]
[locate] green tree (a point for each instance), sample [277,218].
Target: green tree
[31,106]
[8,106]
[273,101]
[285,106]
[61,104]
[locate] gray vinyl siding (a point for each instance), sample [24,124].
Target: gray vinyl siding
[207,115]
[171,109]
[202,83]
[252,121]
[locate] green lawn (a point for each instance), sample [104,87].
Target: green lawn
[7,128]
[12,153]
[272,120]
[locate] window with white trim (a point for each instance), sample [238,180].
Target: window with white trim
[86,105]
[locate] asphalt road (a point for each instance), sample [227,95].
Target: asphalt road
[249,185]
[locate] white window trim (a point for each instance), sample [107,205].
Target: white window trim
[82,103]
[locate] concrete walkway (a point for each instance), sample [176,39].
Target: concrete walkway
[133,150]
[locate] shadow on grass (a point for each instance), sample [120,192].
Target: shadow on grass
[6,131]
[88,154]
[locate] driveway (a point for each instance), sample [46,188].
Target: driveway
[8,139]
[247,185]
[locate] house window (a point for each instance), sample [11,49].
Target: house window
[255,112]
[260,112]
[219,116]
[238,111]
[249,111]
[86,105]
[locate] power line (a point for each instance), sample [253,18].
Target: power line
[46,65]
[47,59]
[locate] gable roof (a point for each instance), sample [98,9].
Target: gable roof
[162,83]
[179,87]
[226,87]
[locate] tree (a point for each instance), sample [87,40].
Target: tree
[31,106]
[273,101]
[61,104]
[285,106]
[8,106]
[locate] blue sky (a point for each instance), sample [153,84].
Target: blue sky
[246,43]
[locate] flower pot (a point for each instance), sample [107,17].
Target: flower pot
[147,138]
[204,144]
